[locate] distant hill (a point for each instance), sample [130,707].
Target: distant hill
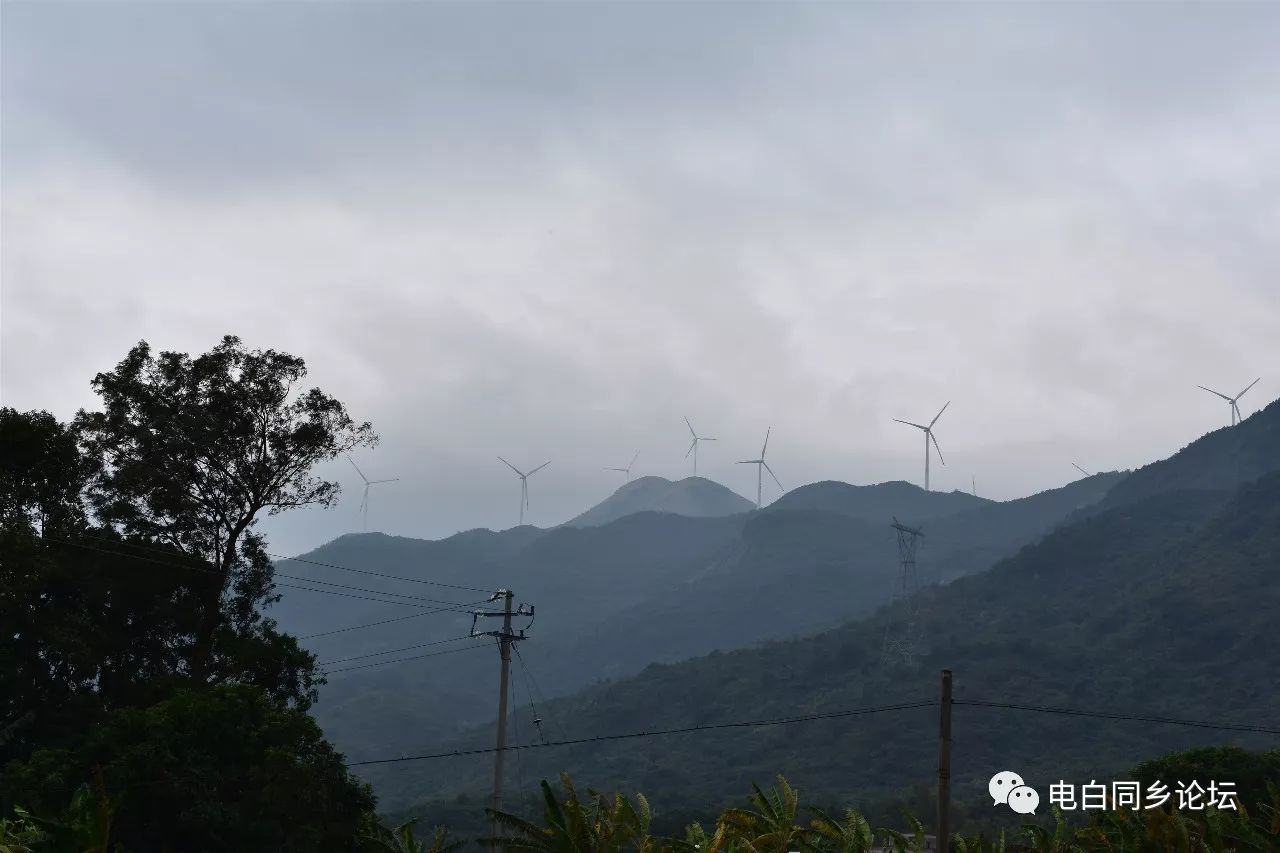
[696,497]
[877,502]
[1164,606]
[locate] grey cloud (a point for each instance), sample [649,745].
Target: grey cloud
[552,230]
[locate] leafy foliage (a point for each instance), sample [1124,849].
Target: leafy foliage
[773,825]
[143,685]
[191,451]
[226,765]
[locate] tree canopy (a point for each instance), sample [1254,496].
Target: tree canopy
[133,590]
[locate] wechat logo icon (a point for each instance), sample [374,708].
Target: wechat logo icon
[1008,788]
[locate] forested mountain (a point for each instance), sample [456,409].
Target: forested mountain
[1162,604]
[611,599]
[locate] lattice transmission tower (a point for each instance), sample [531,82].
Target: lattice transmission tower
[904,639]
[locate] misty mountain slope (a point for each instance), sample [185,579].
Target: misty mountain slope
[796,572]
[696,497]
[877,502]
[1166,606]
[571,575]
[1223,459]
[659,587]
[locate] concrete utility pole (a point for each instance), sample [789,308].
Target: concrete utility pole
[944,766]
[506,637]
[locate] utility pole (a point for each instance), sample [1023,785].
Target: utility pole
[944,766]
[506,638]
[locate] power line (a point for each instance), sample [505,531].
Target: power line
[530,687]
[379,574]
[1105,715]
[415,657]
[744,724]
[457,606]
[147,547]
[381,622]
[1076,712]
[394,651]
[370,572]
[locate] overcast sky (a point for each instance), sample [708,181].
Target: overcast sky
[552,230]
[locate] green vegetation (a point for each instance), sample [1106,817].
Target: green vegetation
[775,822]
[146,701]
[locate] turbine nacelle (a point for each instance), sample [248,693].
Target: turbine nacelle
[524,483]
[364,500]
[1236,417]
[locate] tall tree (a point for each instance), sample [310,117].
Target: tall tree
[192,451]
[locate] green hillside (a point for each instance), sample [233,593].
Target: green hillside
[650,587]
[1164,604]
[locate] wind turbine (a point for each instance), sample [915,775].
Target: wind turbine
[1235,410]
[693,448]
[524,483]
[627,470]
[761,467]
[1081,470]
[928,436]
[364,502]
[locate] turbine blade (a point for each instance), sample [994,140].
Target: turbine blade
[691,447]
[512,467]
[539,468]
[691,432]
[1250,385]
[633,460]
[703,438]
[623,470]
[749,462]
[766,442]
[935,417]
[909,423]
[376,482]
[357,467]
[1081,470]
[771,474]
[1211,391]
[935,446]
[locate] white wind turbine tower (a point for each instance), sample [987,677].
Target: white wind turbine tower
[627,470]
[524,483]
[928,436]
[1235,410]
[693,448]
[364,502]
[761,467]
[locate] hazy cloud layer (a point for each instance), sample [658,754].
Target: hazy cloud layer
[549,231]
